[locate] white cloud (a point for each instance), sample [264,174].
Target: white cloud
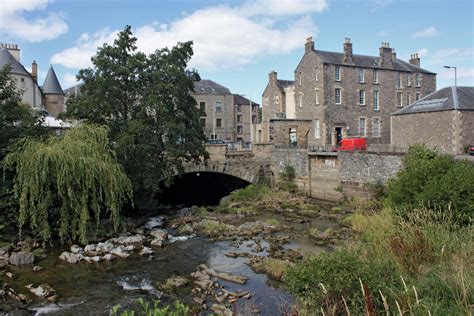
[223,36]
[14,22]
[430,31]
[69,80]
[453,53]
[423,52]
[462,73]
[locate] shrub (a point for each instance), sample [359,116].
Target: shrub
[434,181]
[146,309]
[249,193]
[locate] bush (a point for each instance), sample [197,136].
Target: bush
[287,179]
[434,181]
[249,193]
[146,309]
[326,281]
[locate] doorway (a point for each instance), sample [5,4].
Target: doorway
[338,134]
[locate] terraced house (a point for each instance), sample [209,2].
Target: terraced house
[344,94]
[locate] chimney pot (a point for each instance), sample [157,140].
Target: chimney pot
[309,46]
[347,47]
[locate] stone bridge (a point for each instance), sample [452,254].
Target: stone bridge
[322,175]
[253,166]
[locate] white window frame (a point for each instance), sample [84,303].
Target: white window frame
[399,99]
[316,74]
[300,79]
[361,75]
[335,96]
[418,79]
[240,129]
[375,76]
[317,129]
[361,97]
[379,134]
[417,96]
[399,80]
[317,97]
[218,108]
[300,99]
[365,126]
[408,98]
[239,118]
[408,79]
[337,73]
[376,100]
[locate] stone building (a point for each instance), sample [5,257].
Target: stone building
[225,116]
[346,94]
[442,120]
[49,97]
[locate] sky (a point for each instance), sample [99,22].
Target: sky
[237,43]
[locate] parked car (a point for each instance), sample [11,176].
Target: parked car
[470,150]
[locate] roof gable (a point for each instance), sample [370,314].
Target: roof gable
[16,68]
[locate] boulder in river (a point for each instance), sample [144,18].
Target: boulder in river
[146,251]
[104,247]
[185,230]
[128,240]
[120,252]
[90,248]
[43,290]
[69,257]
[159,234]
[75,249]
[108,257]
[21,258]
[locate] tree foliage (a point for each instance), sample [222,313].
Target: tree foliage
[434,181]
[68,182]
[146,103]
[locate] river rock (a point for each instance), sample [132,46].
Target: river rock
[4,254]
[21,258]
[120,252]
[90,248]
[37,268]
[109,257]
[43,290]
[154,222]
[159,234]
[104,247]
[146,251]
[3,264]
[69,257]
[157,242]
[75,249]
[176,281]
[128,240]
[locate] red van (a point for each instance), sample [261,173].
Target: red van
[352,144]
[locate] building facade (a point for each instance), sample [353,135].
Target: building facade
[346,95]
[49,97]
[443,120]
[225,116]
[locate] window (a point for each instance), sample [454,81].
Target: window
[408,98]
[417,96]
[317,97]
[239,118]
[239,108]
[418,80]
[375,76]
[362,126]
[254,119]
[399,80]
[202,108]
[408,79]
[239,129]
[337,96]
[316,74]
[266,102]
[203,122]
[399,99]
[300,100]
[300,78]
[361,75]
[376,127]
[337,73]
[361,97]
[254,108]
[213,136]
[218,106]
[317,129]
[218,122]
[376,100]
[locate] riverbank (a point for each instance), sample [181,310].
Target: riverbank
[216,259]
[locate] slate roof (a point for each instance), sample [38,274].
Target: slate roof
[209,87]
[446,99]
[285,83]
[368,62]
[51,83]
[76,89]
[16,67]
[241,100]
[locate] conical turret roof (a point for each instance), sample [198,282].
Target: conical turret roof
[7,58]
[51,83]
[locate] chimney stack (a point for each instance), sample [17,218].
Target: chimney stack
[309,46]
[347,50]
[272,76]
[386,54]
[13,49]
[415,60]
[34,70]
[394,55]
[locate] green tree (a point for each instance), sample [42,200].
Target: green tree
[65,183]
[146,103]
[17,120]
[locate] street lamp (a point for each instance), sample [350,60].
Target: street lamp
[455,75]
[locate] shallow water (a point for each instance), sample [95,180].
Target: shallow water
[93,289]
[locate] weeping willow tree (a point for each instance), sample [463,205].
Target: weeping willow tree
[65,183]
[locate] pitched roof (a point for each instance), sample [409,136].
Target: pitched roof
[209,87]
[368,62]
[74,90]
[241,100]
[445,99]
[285,83]
[51,83]
[7,58]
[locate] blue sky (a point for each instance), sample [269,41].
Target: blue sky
[237,43]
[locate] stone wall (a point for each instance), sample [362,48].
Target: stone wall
[325,177]
[434,129]
[466,119]
[280,132]
[297,158]
[54,103]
